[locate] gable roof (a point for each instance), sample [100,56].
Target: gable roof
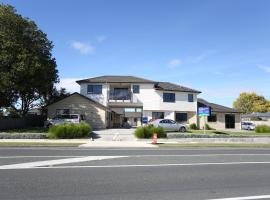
[216,107]
[115,79]
[133,79]
[89,99]
[174,87]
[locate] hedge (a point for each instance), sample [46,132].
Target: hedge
[262,129]
[148,131]
[70,130]
[193,126]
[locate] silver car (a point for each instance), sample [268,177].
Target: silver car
[248,126]
[64,118]
[169,125]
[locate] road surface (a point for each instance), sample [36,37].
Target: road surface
[75,173]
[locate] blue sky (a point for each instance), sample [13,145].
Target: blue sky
[220,47]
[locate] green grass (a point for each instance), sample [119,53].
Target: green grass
[38,144]
[28,130]
[215,145]
[229,133]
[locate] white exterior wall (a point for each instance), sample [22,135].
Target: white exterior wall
[101,98]
[153,100]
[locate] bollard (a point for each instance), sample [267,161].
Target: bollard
[155,138]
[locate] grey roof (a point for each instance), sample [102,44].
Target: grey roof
[174,87]
[133,79]
[264,115]
[115,79]
[216,107]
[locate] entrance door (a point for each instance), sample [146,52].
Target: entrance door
[229,121]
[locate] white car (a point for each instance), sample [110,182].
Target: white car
[64,118]
[169,125]
[248,126]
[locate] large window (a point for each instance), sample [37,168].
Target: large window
[94,89]
[168,97]
[136,89]
[212,118]
[181,117]
[190,98]
[158,115]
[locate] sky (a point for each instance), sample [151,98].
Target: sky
[220,47]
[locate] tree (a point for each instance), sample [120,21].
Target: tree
[56,95]
[251,102]
[27,69]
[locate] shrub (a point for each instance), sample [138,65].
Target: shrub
[193,126]
[70,130]
[207,127]
[148,131]
[262,129]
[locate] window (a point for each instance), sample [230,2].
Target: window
[62,111]
[129,109]
[138,110]
[94,89]
[168,97]
[190,98]
[136,89]
[158,115]
[181,117]
[212,118]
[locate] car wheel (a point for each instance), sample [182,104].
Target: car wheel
[182,129]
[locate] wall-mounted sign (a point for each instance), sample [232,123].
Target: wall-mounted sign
[145,120]
[204,111]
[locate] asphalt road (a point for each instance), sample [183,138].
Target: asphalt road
[74,173]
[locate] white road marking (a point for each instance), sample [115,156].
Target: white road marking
[246,198]
[56,162]
[142,165]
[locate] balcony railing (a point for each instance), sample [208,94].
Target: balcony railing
[117,96]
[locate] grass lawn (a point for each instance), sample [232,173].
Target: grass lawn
[229,133]
[28,130]
[215,145]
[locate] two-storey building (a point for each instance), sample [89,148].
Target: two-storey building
[131,99]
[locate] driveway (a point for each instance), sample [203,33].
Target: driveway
[114,135]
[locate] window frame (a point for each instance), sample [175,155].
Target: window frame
[190,97]
[184,114]
[136,89]
[171,98]
[212,117]
[94,91]
[162,115]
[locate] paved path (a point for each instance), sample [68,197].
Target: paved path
[104,173]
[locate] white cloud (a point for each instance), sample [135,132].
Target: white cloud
[70,84]
[201,57]
[83,48]
[101,38]
[174,63]
[264,68]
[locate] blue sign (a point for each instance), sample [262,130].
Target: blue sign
[145,120]
[204,111]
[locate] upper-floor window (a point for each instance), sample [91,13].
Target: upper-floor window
[94,89]
[168,97]
[136,89]
[190,98]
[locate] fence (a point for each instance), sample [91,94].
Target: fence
[20,123]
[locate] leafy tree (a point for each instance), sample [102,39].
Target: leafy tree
[251,102]
[27,68]
[56,95]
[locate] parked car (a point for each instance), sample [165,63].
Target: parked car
[64,118]
[248,126]
[169,125]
